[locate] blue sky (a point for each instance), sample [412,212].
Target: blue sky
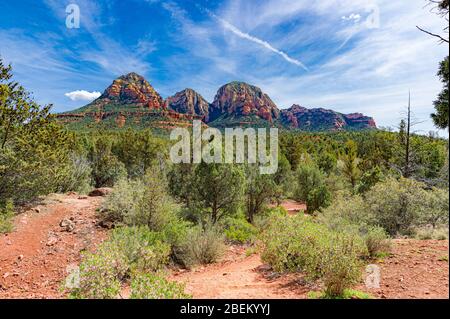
[347,55]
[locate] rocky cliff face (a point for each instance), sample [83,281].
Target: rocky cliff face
[189,102]
[241,99]
[130,101]
[319,119]
[132,89]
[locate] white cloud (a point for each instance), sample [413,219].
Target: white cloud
[361,69]
[82,95]
[110,55]
[352,17]
[265,44]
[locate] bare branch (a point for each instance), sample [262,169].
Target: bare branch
[441,39]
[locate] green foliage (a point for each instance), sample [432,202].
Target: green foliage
[298,244]
[33,149]
[435,212]
[429,232]
[238,230]
[340,267]
[349,215]
[349,164]
[327,162]
[318,197]
[124,202]
[311,188]
[397,206]
[218,189]
[283,179]
[378,148]
[181,180]
[6,215]
[440,118]
[202,246]
[141,249]
[157,208]
[130,250]
[258,191]
[140,202]
[78,176]
[100,274]
[261,221]
[155,286]
[139,151]
[369,179]
[347,294]
[106,167]
[376,240]
[292,149]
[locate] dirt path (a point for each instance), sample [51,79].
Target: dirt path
[416,269]
[34,257]
[239,276]
[292,207]
[33,261]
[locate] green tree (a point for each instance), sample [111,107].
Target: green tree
[218,189]
[138,151]
[106,167]
[350,163]
[311,188]
[326,162]
[283,179]
[292,148]
[182,181]
[259,190]
[369,179]
[319,197]
[34,150]
[440,117]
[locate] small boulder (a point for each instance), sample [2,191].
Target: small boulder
[67,224]
[106,224]
[104,191]
[52,241]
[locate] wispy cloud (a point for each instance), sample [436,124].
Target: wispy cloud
[263,43]
[82,95]
[107,53]
[352,67]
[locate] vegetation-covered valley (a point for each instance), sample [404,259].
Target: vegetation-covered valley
[363,193]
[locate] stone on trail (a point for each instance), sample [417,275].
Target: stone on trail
[103,191]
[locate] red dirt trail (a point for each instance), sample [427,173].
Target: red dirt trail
[415,269]
[34,257]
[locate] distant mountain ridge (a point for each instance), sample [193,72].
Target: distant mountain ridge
[131,101]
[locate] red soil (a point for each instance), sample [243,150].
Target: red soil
[34,257]
[33,261]
[415,269]
[241,277]
[292,206]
